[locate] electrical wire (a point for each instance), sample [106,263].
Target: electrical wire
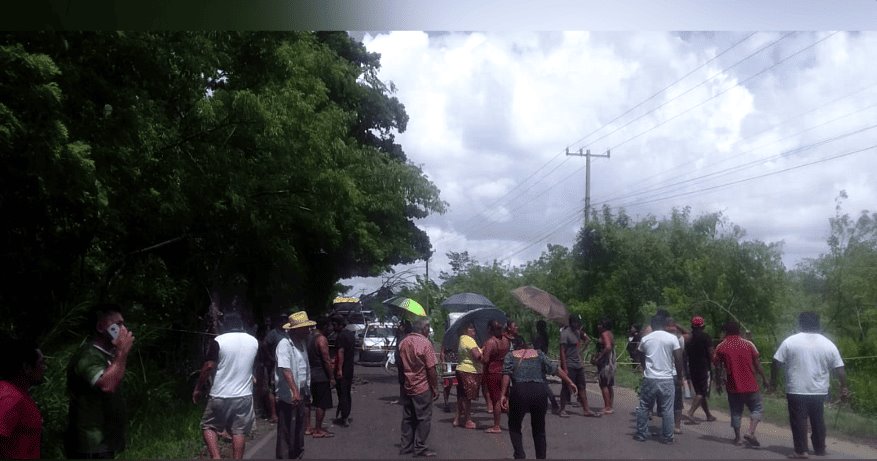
[674,83]
[562,153]
[554,184]
[683,194]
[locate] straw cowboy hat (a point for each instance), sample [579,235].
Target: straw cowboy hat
[298,320]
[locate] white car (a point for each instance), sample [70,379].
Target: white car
[378,339]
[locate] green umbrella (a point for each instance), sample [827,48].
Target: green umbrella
[406,304]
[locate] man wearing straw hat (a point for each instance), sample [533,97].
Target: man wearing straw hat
[292,381]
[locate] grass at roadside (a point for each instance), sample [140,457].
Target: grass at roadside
[840,422]
[169,432]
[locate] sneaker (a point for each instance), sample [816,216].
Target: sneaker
[667,441]
[563,414]
[639,438]
[426,454]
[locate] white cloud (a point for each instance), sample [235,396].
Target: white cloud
[492,113]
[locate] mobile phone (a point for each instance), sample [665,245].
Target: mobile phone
[113,331]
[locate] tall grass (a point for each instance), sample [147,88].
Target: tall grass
[165,430]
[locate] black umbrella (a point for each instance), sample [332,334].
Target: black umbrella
[480,317]
[462,302]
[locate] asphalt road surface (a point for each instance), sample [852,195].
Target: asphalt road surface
[374,432]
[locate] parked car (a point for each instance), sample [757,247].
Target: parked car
[378,339]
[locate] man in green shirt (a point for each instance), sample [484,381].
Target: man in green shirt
[97,416]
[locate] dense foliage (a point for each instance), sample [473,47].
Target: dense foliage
[624,269]
[166,171]
[149,168]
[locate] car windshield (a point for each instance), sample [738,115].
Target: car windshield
[379,332]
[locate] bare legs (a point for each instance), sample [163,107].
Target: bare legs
[210,438]
[237,446]
[700,401]
[487,399]
[464,413]
[608,398]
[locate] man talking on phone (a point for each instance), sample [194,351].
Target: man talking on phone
[97,415]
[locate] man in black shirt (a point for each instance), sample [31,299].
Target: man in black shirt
[699,347]
[344,347]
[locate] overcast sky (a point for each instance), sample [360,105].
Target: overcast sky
[766,128]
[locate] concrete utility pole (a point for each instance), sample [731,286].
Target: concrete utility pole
[587,155]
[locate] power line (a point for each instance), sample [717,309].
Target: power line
[746,165]
[654,188]
[669,86]
[705,101]
[740,181]
[562,153]
[706,189]
[576,214]
[615,147]
[783,122]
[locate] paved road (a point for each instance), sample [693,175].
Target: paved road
[374,433]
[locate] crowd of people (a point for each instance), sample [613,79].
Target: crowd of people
[301,373]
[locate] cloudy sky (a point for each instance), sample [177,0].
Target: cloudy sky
[765,127]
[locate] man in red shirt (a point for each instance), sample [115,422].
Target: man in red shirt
[21,366]
[417,356]
[738,359]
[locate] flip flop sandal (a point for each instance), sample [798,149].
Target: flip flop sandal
[608,412]
[470,425]
[323,435]
[493,431]
[309,431]
[592,415]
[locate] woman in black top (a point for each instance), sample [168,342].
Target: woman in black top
[524,370]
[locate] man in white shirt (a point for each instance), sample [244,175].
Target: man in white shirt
[230,406]
[808,358]
[662,367]
[293,384]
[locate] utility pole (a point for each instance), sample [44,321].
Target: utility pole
[587,155]
[427,285]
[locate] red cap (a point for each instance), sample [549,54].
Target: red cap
[697,321]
